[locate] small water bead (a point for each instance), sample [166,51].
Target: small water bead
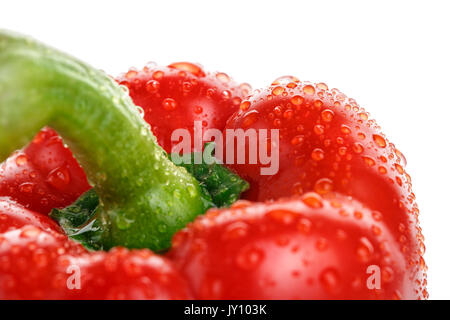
[358,147]
[235,230]
[158,75]
[297,140]
[282,216]
[399,168]
[363,116]
[382,170]
[152,86]
[318,104]
[226,94]
[250,118]
[309,89]
[401,157]
[291,85]
[244,105]
[123,87]
[312,200]
[198,109]
[319,129]
[26,187]
[169,104]
[187,86]
[246,89]
[131,74]
[327,115]
[323,186]
[304,225]
[210,92]
[376,230]
[322,86]
[21,159]
[379,140]
[345,129]
[318,154]
[140,111]
[189,67]
[283,80]
[330,280]
[369,161]
[249,258]
[364,250]
[223,77]
[277,90]
[288,114]
[322,244]
[59,177]
[297,100]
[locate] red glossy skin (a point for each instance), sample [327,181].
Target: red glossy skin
[174,97]
[14,216]
[135,275]
[44,175]
[329,144]
[31,264]
[294,249]
[35,265]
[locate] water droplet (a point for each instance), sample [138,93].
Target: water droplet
[277,91]
[131,74]
[244,105]
[379,140]
[323,186]
[369,161]
[345,129]
[152,86]
[189,67]
[327,115]
[283,80]
[245,88]
[223,77]
[312,200]
[158,75]
[399,168]
[198,109]
[322,244]
[318,154]
[319,129]
[169,104]
[309,89]
[282,216]
[21,159]
[297,100]
[226,94]
[59,178]
[304,225]
[322,86]
[249,258]
[330,280]
[235,230]
[364,250]
[297,140]
[250,118]
[358,147]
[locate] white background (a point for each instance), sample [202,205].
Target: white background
[391,56]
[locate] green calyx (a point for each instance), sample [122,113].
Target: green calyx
[79,220]
[143,197]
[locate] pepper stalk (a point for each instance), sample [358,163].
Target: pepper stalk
[144,197]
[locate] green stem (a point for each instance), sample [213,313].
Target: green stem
[144,197]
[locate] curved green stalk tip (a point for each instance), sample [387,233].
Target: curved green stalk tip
[144,197]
